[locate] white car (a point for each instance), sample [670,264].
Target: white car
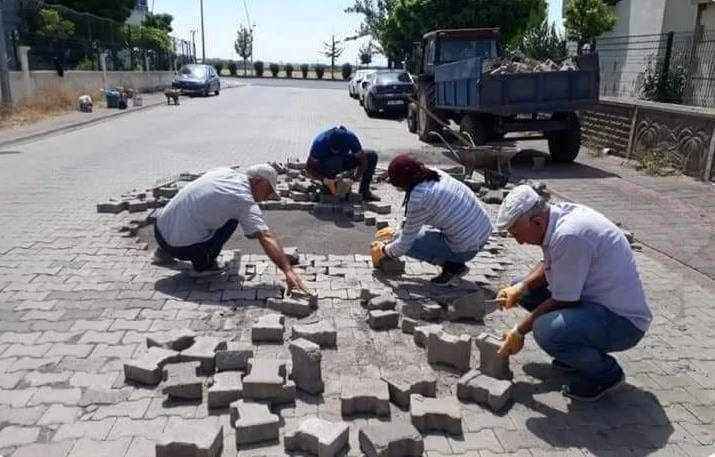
[355,82]
[364,84]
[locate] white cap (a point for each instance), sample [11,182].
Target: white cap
[520,200]
[267,172]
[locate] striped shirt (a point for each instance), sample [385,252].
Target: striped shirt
[449,206]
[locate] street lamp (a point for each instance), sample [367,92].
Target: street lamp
[203,41]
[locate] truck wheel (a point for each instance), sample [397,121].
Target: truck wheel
[412,118]
[564,145]
[475,127]
[425,123]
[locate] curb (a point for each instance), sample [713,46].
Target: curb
[79,125]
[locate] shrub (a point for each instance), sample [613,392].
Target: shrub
[218,66]
[288,68]
[232,68]
[659,87]
[304,69]
[258,67]
[347,70]
[319,71]
[275,68]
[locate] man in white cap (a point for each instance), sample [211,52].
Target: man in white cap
[203,215]
[585,299]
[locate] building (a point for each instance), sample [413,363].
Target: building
[138,13]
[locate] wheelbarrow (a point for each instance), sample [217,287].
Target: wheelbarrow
[491,158]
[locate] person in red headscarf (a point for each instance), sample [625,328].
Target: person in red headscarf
[445,224]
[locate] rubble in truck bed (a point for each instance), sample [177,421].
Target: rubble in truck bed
[505,65]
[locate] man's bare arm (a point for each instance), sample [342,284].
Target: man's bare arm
[274,250]
[362,160]
[537,278]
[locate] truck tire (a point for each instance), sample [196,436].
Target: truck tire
[476,127]
[564,145]
[412,118]
[425,123]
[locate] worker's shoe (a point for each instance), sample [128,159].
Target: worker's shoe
[370,197]
[161,257]
[451,274]
[586,390]
[559,365]
[216,267]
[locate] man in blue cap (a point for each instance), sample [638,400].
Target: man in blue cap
[337,150]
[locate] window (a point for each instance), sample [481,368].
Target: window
[453,50]
[393,78]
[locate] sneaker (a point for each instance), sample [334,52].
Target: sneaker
[161,257]
[217,267]
[448,277]
[559,365]
[585,390]
[370,197]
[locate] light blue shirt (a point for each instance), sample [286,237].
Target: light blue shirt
[588,258]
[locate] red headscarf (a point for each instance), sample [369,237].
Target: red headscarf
[405,172]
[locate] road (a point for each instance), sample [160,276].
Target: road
[77,300]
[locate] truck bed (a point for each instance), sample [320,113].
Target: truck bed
[461,86]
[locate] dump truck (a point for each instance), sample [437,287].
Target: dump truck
[464,77]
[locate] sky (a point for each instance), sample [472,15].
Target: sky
[285,30]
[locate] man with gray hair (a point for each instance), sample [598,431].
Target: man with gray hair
[585,299]
[203,215]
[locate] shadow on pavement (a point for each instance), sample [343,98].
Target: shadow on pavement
[560,171]
[628,418]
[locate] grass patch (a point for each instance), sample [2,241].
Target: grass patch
[43,104]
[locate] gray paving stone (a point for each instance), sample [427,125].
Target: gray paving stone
[430,312]
[59,414]
[204,351]
[436,414]
[382,302]
[490,363]
[89,447]
[268,328]
[226,388]
[266,380]
[182,381]
[134,409]
[295,306]
[126,427]
[44,450]
[234,357]
[322,333]
[176,340]
[364,396]
[21,415]
[17,436]
[477,387]
[199,438]
[467,307]
[408,325]
[102,397]
[401,384]
[147,369]
[318,437]
[65,396]
[393,267]
[452,350]
[422,332]
[93,429]
[254,422]
[383,320]
[396,439]
[306,373]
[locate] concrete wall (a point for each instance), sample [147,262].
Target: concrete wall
[86,81]
[679,16]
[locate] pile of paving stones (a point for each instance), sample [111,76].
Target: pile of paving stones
[526,65]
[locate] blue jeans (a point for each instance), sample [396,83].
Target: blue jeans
[335,165]
[431,247]
[582,336]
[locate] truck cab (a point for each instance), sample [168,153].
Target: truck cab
[447,46]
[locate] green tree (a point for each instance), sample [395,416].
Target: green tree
[584,20]
[149,37]
[347,70]
[53,26]
[366,52]
[118,10]
[244,45]
[332,51]
[160,21]
[544,42]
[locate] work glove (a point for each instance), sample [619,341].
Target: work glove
[512,342]
[331,184]
[377,252]
[385,234]
[508,297]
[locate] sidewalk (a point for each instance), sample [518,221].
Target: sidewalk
[674,215]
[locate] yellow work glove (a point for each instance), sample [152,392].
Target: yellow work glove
[508,297]
[377,252]
[512,343]
[331,184]
[385,234]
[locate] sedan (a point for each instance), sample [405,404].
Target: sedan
[197,79]
[388,92]
[355,81]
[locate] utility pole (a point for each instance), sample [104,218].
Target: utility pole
[193,46]
[4,71]
[203,40]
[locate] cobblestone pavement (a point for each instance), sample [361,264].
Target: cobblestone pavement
[77,299]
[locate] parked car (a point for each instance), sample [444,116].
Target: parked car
[355,82]
[364,84]
[388,92]
[197,79]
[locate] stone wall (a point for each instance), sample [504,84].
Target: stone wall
[632,127]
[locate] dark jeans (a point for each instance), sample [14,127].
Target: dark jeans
[582,336]
[332,166]
[201,255]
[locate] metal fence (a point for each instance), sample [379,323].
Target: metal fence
[60,37]
[670,67]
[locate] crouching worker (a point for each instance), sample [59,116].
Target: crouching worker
[445,224]
[585,299]
[203,215]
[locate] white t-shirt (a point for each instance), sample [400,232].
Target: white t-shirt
[204,205]
[587,258]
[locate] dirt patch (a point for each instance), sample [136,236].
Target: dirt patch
[302,230]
